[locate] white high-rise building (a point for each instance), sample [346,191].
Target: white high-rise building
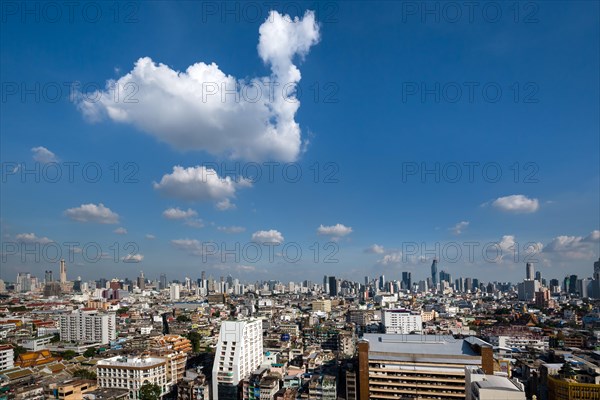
[174,294]
[401,322]
[88,326]
[6,357]
[131,372]
[239,352]
[63,272]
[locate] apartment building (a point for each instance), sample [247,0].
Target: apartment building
[400,321]
[239,352]
[88,326]
[132,372]
[321,305]
[393,366]
[6,357]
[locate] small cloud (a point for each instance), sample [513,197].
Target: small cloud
[92,213]
[516,203]
[231,229]
[270,236]
[120,231]
[43,155]
[459,227]
[225,205]
[150,236]
[335,231]
[375,249]
[133,258]
[188,216]
[32,238]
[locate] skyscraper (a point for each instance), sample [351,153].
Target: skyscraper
[529,272]
[141,281]
[406,280]
[434,273]
[162,283]
[332,286]
[382,282]
[48,277]
[63,271]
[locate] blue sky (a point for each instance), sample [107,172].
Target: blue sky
[364,115]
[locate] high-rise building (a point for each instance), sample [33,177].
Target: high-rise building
[238,353]
[406,280]
[538,276]
[382,282]
[529,272]
[162,282]
[573,284]
[88,326]
[63,272]
[445,277]
[141,281]
[48,277]
[434,273]
[6,357]
[468,284]
[174,293]
[333,286]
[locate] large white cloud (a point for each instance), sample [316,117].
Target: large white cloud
[574,247]
[93,213]
[270,236]
[196,110]
[32,238]
[516,203]
[200,184]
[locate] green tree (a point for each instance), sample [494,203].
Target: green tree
[195,338]
[18,350]
[149,391]
[69,354]
[183,318]
[55,338]
[85,374]
[91,352]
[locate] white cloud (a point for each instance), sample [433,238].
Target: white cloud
[150,236]
[459,227]
[177,213]
[32,238]
[574,247]
[231,229]
[225,205]
[92,213]
[192,246]
[188,216]
[375,249]
[120,231]
[133,258]
[200,184]
[270,236]
[193,110]
[43,155]
[335,231]
[516,203]
[391,259]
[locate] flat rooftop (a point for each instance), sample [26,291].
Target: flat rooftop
[421,348]
[135,362]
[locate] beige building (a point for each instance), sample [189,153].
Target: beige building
[132,372]
[321,305]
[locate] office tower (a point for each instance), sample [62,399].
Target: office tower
[529,274]
[162,283]
[445,276]
[475,285]
[238,353]
[23,282]
[325,284]
[333,286]
[406,280]
[434,273]
[382,282]
[428,366]
[141,281]
[596,282]
[460,285]
[63,272]
[48,277]
[366,281]
[538,276]
[468,284]
[203,275]
[88,326]
[174,293]
[526,289]
[584,287]
[573,284]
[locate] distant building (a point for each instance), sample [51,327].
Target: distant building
[321,305]
[482,386]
